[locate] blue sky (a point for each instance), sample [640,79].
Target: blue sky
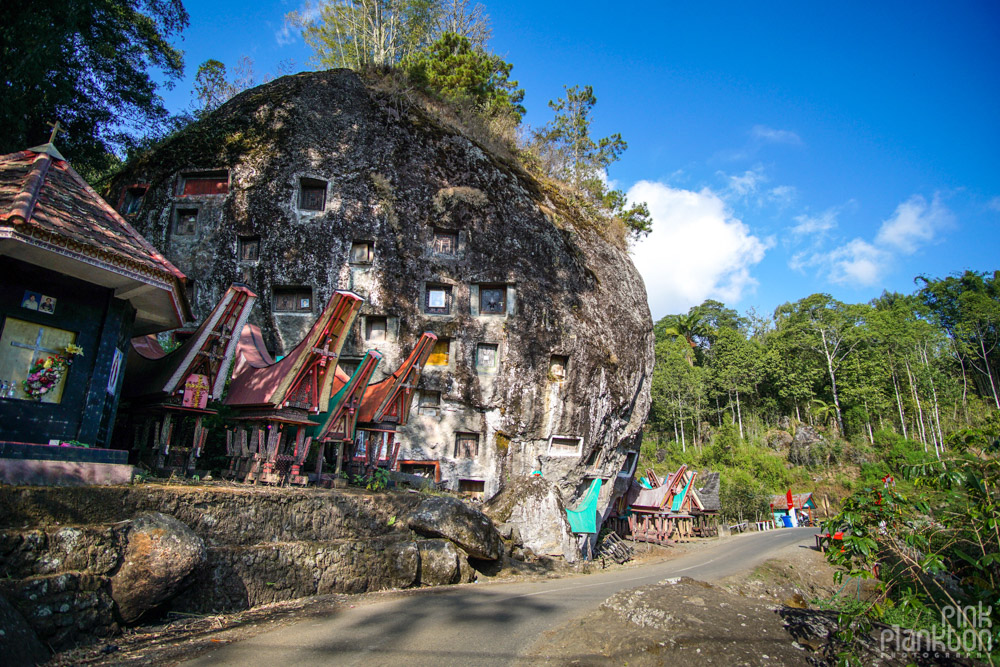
[784,148]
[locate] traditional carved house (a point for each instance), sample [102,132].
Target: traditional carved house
[77,283]
[274,400]
[166,395]
[385,408]
[667,511]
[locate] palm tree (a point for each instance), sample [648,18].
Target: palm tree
[687,327]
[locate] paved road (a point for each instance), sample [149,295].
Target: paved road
[488,624]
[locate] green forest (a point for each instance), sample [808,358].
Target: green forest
[888,411]
[901,376]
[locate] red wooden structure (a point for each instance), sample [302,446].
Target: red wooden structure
[165,395]
[384,408]
[273,400]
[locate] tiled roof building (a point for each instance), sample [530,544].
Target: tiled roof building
[76,283]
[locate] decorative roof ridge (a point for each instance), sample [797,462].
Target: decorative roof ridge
[24,203]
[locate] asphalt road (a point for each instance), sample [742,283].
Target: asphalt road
[483,624]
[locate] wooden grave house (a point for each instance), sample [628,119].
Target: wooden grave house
[166,395]
[274,401]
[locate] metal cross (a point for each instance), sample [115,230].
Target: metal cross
[56,129]
[37,347]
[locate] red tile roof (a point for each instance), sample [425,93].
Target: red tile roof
[41,196]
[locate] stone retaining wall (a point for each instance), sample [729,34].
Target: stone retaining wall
[59,548]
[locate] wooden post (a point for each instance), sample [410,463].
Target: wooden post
[340,458]
[320,455]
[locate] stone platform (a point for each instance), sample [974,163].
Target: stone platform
[51,465]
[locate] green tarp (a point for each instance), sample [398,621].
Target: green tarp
[679,498]
[584,518]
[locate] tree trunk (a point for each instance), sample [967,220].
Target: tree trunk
[868,423]
[833,383]
[739,413]
[899,403]
[916,398]
[989,373]
[937,411]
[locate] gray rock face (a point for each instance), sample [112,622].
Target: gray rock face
[439,562]
[452,519]
[779,440]
[533,505]
[160,553]
[404,563]
[18,644]
[805,446]
[326,182]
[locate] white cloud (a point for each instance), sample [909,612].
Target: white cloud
[288,32]
[767,134]
[782,195]
[994,204]
[696,250]
[746,183]
[858,263]
[914,224]
[816,224]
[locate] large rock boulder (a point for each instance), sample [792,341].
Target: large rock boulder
[160,552]
[18,643]
[806,446]
[778,440]
[534,506]
[442,516]
[439,562]
[405,204]
[404,563]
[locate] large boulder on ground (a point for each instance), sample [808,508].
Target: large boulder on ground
[404,563]
[18,643]
[442,516]
[805,447]
[534,506]
[439,562]
[160,552]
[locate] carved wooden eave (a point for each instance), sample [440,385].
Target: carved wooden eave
[304,378]
[342,417]
[152,374]
[390,399]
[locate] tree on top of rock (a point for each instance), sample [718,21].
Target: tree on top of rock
[454,69]
[567,151]
[359,33]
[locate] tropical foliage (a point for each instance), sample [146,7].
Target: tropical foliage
[86,64]
[922,365]
[934,552]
